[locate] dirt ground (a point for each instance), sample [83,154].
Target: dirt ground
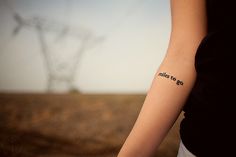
[71,125]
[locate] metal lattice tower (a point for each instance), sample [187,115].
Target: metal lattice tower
[60,69]
[61,65]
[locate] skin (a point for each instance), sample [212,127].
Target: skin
[165,99]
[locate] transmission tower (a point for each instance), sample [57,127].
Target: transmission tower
[61,66]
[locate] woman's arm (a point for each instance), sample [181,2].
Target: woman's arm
[167,95]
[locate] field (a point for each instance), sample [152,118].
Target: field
[71,125]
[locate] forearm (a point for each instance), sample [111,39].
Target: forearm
[166,96]
[161,107]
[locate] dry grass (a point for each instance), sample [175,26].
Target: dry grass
[71,125]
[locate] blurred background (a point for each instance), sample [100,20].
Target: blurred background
[74,74]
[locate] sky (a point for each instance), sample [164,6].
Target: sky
[127,42]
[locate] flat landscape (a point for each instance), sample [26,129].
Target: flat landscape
[71,125]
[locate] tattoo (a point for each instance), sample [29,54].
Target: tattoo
[178,82]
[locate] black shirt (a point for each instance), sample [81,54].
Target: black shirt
[208,128]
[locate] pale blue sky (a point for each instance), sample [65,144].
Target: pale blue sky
[136,36]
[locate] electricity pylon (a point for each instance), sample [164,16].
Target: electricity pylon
[60,73]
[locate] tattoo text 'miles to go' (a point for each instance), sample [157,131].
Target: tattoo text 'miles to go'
[164,74]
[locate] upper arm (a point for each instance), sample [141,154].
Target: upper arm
[165,99]
[188,26]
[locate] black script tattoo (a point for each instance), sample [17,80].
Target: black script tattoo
[178,82]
